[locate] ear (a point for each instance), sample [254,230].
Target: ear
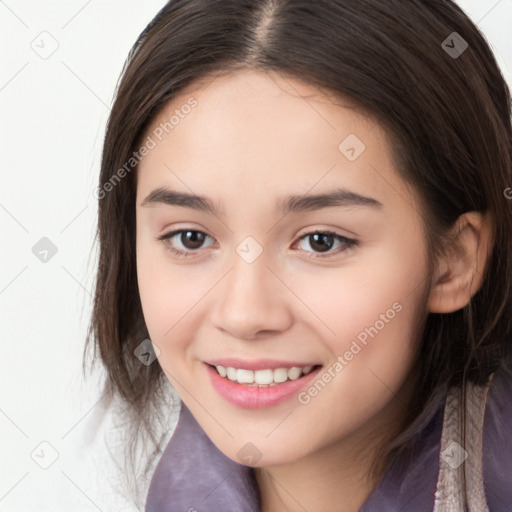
[460,271]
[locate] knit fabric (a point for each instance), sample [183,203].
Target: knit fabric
[454,459]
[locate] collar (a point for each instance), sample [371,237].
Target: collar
[193,475]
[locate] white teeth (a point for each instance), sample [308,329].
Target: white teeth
[294,373]
[262,377]
[280,375]
[245,376]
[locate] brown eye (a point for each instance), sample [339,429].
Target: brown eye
[192,239]
[184,242]
[323,241]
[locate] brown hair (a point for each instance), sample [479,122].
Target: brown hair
[450,125]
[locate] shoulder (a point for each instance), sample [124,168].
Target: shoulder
[497,441]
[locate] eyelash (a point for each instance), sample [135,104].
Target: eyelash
[348,243]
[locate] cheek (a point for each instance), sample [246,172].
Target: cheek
[154,291]
[369,314]
[374,317]
[170,295]
[347,301]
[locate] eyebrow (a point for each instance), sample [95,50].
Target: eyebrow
[291,204]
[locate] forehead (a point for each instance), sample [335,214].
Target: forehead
[256,131]
[276,104]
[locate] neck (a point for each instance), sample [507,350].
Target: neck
[331,479]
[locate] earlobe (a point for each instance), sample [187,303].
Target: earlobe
[460,270]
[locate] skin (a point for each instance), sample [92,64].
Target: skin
[252,139]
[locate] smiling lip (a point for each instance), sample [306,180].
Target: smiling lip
[254,397]
[259,364]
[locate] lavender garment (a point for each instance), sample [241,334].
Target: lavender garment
[193,475]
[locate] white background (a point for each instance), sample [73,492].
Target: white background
[53,113]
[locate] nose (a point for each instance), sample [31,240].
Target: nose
[251,302]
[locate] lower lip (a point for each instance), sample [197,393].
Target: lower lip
[255,397]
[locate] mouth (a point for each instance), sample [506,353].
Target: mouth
[256,389]
[265,377]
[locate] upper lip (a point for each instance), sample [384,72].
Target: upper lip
[257,364]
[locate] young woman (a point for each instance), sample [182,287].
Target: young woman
[303,205]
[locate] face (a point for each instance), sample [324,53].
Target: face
[262,273]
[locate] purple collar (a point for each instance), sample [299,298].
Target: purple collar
[193,475]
